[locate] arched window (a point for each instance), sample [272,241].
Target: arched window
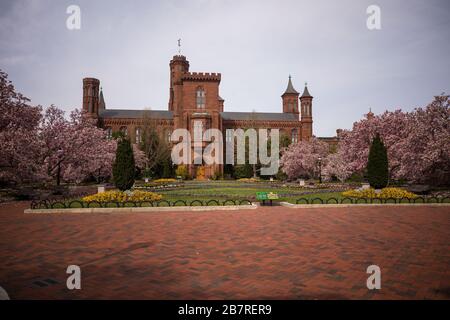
[168,135]
[124,130]
[138,135]
[108,133]
[294,136]
[200,94]
[306,109]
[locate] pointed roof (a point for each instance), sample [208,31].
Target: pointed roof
[290,88]
[306,92]
[101,103]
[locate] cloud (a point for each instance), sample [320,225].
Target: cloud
[254,44]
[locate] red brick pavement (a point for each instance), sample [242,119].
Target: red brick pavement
[268,253]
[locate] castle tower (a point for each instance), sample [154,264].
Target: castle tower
[178,67]
[290,99]
[370,115]
[306,113]
[91,96]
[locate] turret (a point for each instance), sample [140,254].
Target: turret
[91,96]
[290,99]
[306,113]
[178,67]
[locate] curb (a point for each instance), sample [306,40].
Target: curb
[144,209]
[346,205]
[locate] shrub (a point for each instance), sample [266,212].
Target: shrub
[281,176]
[121,196]
[377,164]
[228,170]
[182,171]
[396,193]
[200,173]
[356,177]
[124,167]
[243,171]
[217,175]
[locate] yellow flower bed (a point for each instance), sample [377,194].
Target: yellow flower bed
[385,193]
[248,180]
[164,180]
[120,196]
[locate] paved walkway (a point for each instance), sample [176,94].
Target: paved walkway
[268,253]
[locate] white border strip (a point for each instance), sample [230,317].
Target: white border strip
[142,209]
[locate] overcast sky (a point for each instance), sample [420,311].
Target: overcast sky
[254,44]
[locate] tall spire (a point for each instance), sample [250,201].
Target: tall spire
[305,91]
[101,103]
[290,87]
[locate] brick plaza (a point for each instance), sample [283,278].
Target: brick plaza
[267,253]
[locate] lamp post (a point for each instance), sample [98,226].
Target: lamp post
[319,160]
[59,153]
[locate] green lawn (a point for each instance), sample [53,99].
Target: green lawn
[221,190]
[238,191]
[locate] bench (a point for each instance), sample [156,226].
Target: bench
[263,196]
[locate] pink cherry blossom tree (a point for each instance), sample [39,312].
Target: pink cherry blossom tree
[425,152]
[75,148]
[19,143]
[417,142]
[301,159]
[336,166]
[140,159]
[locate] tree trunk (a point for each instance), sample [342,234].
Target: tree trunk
[58,175]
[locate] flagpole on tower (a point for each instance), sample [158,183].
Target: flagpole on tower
[179,46]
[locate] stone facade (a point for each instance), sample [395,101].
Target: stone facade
[194,102]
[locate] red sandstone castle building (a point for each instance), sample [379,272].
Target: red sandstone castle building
[195,103]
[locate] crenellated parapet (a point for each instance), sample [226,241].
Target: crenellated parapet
[201,76]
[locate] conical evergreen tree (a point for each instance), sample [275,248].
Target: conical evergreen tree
[124,167]
[377,164]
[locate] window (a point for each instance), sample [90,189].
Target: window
[290,107]
[294,136]
[198,129]
[306,109]
[124,130]
[200,98]
[138,135]
[229,135]
[168,135]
